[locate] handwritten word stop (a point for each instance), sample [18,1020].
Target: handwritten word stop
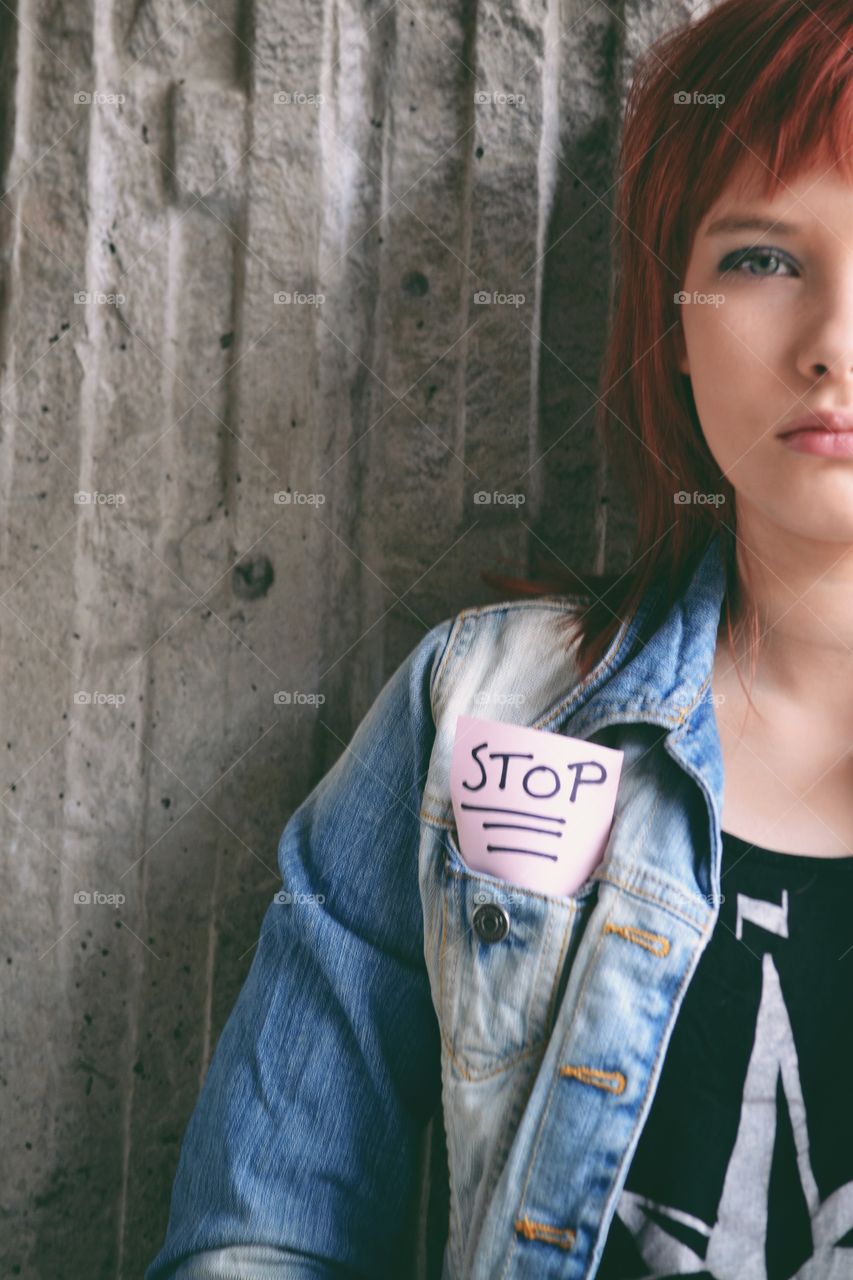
[532,807]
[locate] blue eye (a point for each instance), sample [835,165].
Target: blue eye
[732,263]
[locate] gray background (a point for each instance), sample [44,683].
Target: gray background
[181,397]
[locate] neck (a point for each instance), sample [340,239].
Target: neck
[803,591]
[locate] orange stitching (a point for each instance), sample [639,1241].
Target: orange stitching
[631,886]
[569,903]
[434,817]
[534,1049]
[444,999]
[591,1075]
[563,1236]
[633,934]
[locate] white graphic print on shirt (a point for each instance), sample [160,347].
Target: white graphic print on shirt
[771,1220]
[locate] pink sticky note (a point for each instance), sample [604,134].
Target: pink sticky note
[532,807]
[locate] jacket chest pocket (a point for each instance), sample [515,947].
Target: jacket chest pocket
[504,953]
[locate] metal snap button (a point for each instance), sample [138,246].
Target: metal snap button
[491,922]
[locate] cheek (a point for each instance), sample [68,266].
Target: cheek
[748,330]
[722,338]
[736,358]
[720,367]
[732,381]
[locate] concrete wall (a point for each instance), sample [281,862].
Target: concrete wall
[150,364]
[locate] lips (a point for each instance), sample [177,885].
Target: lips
[834,421]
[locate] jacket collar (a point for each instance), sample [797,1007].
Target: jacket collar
[665,679]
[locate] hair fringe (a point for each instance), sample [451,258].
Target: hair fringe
[788,101]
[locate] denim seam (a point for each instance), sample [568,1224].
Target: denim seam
[675,999]
[447,987]
[555,1081]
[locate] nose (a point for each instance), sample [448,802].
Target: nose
[840,369]
[826,350]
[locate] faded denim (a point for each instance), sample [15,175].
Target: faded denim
[361,1013]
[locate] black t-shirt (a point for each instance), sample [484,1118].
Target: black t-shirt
[744,1168]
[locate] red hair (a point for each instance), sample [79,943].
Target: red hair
[786,72]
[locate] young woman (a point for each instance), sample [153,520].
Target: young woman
[643,1078]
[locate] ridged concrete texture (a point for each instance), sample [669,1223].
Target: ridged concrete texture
[241,247]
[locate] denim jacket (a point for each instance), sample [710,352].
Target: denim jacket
[365,1011]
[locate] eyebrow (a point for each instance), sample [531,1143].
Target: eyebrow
[744,222]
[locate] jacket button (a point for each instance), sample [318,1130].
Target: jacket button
[491,922]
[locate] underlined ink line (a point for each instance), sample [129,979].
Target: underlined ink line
[504,848]
[521,813]
[517,826]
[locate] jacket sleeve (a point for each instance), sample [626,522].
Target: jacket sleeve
[300,1158]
